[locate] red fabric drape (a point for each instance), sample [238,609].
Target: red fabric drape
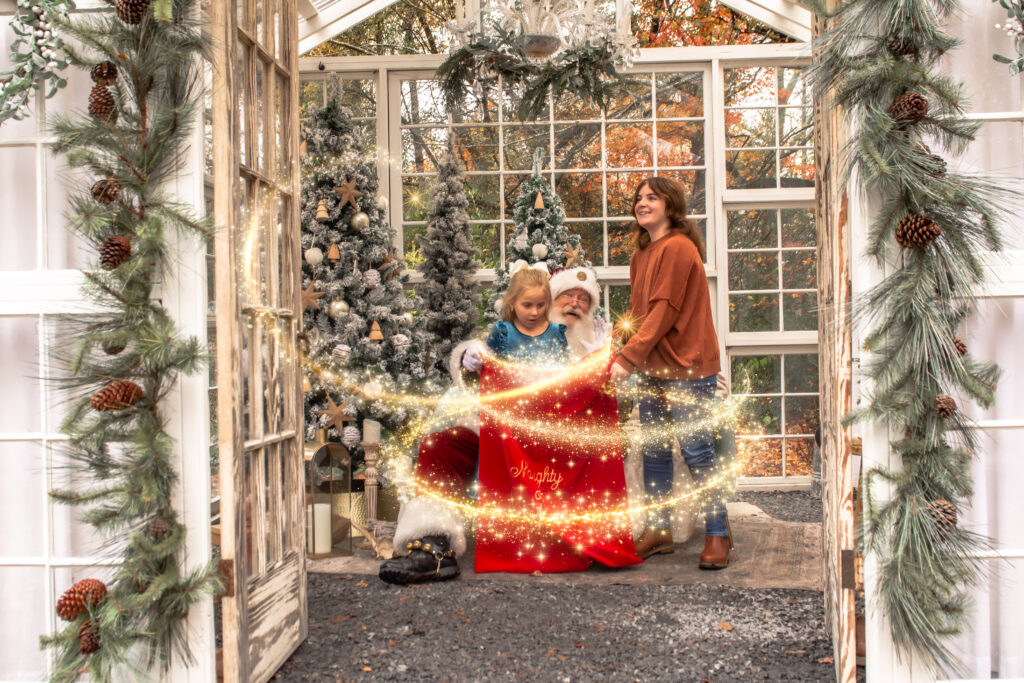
[545,454]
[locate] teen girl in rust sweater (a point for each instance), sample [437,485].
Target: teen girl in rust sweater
[675,352]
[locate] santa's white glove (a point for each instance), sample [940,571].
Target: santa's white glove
[601,330]
[590,347]
[473,358]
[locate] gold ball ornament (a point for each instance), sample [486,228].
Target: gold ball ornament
[338,309]
[314,256]
[359,221]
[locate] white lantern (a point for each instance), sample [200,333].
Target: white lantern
[359,221]
[314,256]
[338,308]
[540,250]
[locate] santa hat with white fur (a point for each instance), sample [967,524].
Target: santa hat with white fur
[575,278]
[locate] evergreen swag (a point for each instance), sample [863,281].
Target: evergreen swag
[879,59]
[125,360]
[449,294]
[588,71]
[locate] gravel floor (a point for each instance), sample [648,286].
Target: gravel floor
[363,629]
[788,506]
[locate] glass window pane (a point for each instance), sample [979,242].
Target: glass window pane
[591,239]
[681,143]
[631,99]
[618,301]
[578,145]
[800,311]
[680,95]
[752,229]
[750,87]
[421,149]
[753,270]
[410,246]
[750,169]
[512,95]
[311,96]
[802,373]
[629,145]
[753,312]
[512,185]
[794,88]
[796,167]
[487,238]
[620,242]
[520,143]
[359,96]
[482,193]
[477,147]
[798,228]
[760,415]
[621,188]
[756,374]
[799,269]
[416,197]
[750,128]
[569,106]
[801,414]
[422,102]
[581,194]
[693,184]
[799,457]
[796,127]
[759,457]
[481,104]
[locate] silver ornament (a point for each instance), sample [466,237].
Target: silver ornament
[540,250]
[359,221]
[337,309]
[314,256]
[341,353]
[351,436]
[371,278]
[400,342]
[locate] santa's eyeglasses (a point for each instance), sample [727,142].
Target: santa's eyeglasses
[575,298]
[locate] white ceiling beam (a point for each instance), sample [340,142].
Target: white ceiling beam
[306,9]
[785,16]
[336,19]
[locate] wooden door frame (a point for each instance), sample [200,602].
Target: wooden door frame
[239,638]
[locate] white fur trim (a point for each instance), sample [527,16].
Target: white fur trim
[570,278]
[428,516]
[455,360]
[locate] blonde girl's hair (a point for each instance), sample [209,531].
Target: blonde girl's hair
[674,196]
[522,281]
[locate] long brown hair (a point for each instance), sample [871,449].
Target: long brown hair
[674,196]
[522,281]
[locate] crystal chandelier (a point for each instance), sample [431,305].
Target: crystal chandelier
[549,27]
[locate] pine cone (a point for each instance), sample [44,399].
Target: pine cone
[131,11]
[101,104]
[916,231]
[113,349]
[88,638]
[115,250]
[116,396]
[902,46]
[945,406]
[104,73]
[943,513]
[80,597]
[910,108]
[961,348]
[159,527]
[106,190]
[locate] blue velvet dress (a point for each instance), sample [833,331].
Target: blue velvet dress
[549,348]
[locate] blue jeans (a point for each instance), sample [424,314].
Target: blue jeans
[661,415]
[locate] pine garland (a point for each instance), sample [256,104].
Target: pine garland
[879,58]
[36,53]
[125,360]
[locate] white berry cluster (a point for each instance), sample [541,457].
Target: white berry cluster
[36,53]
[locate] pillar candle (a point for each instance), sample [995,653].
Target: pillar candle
[371,431]
[318,528]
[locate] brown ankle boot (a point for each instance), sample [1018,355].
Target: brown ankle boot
[716,553]
[655,542]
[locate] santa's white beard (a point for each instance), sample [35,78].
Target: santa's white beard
[576,329]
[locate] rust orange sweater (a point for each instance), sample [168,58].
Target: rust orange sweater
[670,303]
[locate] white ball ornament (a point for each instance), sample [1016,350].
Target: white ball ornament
[359,221]
[540,250]
[338,309]
[407,318]
[373,390]
[371,278]
[382,202]
[351,436]
[498,304]
[341,353]
[314,256]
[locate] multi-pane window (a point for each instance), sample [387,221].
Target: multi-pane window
[778,395]
[358,96]
[772,270]
[655,124]
[768,128]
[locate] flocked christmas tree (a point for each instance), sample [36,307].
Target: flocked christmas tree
[362,341]
[539,235]
[449,294]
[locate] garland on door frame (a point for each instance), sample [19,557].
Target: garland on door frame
[1014,27]
[36,54]
[123,362]
[880,57]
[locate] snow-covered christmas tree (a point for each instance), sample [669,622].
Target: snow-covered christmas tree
[362,342]
[539,234]
[449,295]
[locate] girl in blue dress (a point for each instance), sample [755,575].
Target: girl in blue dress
[524,334]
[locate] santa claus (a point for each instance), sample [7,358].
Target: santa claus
[431,529]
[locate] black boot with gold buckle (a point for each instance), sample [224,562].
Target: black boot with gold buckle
[428,559]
